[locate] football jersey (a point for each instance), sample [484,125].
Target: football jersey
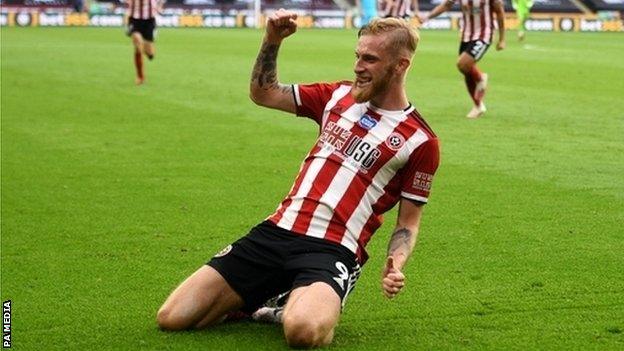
[364,160]
[396,8]
[142,9]
[477,20]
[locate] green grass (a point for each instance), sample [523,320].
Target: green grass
[112,194]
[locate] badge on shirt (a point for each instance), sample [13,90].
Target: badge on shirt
[367,122]
[395,141]
[226,250]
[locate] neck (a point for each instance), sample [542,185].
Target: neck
[393,99]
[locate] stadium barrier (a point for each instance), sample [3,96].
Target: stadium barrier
[557,22]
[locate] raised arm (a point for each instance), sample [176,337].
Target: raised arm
[160,7]
[264,88]
[499,9]
[129,6]
[414,7]
[401,246]
[438,10]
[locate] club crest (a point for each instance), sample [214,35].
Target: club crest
[395,141]
[226,250]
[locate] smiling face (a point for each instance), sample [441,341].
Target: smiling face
[374,68]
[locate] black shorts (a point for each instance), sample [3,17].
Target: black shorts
[146,27]
[270,260]
[475,48]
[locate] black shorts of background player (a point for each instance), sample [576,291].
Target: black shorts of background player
[477,30]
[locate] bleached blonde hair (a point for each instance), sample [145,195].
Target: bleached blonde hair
[402,35]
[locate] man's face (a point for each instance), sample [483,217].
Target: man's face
[373,68]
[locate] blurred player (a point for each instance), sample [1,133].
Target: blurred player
[374,151]
[405,9]
[142,29]
[477,29]
[367,9]
[523,8]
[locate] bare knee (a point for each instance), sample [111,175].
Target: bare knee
[148,49]
[463,66]
[171,320]
[137,42]
[185,317]
[307,333]
[202,300]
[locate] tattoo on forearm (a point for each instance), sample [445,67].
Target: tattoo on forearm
[265,70]
[400,238]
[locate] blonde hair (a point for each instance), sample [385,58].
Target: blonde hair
[402,35]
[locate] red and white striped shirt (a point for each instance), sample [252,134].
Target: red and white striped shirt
[477,20]
[365,159]
[143,9]
[396,8]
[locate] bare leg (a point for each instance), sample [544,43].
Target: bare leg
[476,82]
[466,64]
[137,41]
[311,315]
[202,300]
[149,49]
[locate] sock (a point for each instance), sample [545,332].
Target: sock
[138,63]
[471,85]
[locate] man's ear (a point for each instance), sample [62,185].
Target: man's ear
[403,64]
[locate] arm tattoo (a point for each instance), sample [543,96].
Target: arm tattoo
[401,238]
[265,70]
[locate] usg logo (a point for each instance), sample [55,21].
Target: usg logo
[367,122]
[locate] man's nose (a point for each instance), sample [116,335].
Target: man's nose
[358,67]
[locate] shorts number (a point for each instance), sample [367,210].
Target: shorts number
[477,49]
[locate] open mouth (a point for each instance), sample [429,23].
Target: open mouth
[362,82]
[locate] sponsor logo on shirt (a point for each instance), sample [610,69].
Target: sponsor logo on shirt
[349,147]
[367,122]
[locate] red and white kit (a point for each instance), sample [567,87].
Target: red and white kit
[396,8]
[142,9]
[365,159]
[477,20]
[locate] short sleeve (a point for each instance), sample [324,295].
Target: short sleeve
[312,98]
[420,170]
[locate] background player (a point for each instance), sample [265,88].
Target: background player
[374,151]
[405,9]
[523,8]
[142,29]
[367,10]
[477,29]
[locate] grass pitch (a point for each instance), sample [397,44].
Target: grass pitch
[112,193]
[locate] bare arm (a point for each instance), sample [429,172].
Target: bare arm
[401,246]
[499,9]
[129,8]
[161,7]
[414,6]
[264,87]
[438,10]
